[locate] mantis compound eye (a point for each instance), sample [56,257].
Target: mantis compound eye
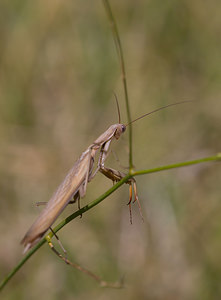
[123,127]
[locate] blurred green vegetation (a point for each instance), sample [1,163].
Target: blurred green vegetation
[58,71]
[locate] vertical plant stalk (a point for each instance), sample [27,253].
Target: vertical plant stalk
[118,46]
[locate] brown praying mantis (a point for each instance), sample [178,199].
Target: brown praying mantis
[74,185]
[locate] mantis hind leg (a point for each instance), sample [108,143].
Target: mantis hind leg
[59,242]
[78,267]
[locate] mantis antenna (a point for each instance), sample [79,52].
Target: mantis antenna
[118,108]
[155,110]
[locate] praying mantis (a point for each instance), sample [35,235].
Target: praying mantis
[74,185]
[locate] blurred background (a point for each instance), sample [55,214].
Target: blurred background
[58,72]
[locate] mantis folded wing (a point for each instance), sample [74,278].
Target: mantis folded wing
[75,184]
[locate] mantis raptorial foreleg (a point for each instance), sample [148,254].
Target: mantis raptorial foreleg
[116,175]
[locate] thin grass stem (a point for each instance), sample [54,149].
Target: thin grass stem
[118,45]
